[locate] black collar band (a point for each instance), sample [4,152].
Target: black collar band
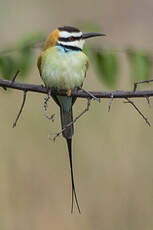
[70,47]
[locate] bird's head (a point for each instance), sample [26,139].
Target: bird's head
[70,37]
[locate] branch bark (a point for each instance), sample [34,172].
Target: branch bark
[80,93]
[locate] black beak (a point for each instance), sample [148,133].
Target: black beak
[90,35]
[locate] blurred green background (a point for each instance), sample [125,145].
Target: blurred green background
[112,152]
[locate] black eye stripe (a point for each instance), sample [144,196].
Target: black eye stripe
[71,38]
[69,48]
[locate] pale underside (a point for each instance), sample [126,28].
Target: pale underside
[63,70]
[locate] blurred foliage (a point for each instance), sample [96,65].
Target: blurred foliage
[25,60]
[141,64]
[105,62]
[7,66]
[107,66]
[20,57]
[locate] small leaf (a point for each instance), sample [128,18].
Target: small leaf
[7,66]
[107,66]
[141,65]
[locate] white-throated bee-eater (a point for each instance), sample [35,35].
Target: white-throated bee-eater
[62,66]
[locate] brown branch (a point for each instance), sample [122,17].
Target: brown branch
[79,93]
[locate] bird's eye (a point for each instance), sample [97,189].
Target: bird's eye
[71,38]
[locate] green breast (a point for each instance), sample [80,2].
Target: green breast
[63,70]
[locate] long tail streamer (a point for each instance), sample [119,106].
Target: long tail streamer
[69,144]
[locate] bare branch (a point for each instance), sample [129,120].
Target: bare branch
[141,82]
[79,93]
[138,110]
[20,111]
[13,80]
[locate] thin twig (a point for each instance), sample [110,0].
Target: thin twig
[15,76]
[138,110]
[83,112]
[90,94]
[141,82]
[148,101]
[110,103]
[13,80]
[20,111]
[46,99]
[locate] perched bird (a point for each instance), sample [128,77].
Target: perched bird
[62,66]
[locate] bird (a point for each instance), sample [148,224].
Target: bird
[62,66]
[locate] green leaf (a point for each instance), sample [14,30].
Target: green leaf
[141,65]
[7,66]
[26,52]
[25,61]
[107,67]
[24,58]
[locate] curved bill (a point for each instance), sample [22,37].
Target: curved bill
[90,35]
